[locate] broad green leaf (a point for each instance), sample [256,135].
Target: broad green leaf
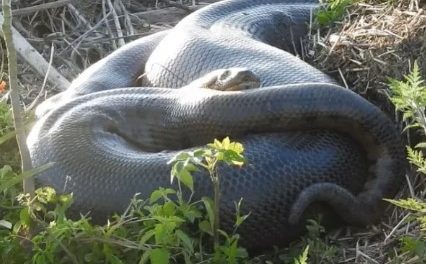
[182,171]
[234,158]
[24,217]
[190,212]
[209,205]
[189,166]
[159,256]
[164,232]
[169,209]
[155,195]
[186,240]
[179,157]
[160,192]
[186,178]
[147,236]
[206,227]
[161,233]
[200,153]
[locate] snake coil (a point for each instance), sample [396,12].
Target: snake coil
[308,141]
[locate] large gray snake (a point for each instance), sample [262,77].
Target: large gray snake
[308,141]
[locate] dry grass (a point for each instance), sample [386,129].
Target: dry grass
[374,41]
[81,32]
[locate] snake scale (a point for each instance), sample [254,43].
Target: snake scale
[308,141]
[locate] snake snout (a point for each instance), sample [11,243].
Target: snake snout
[238,79]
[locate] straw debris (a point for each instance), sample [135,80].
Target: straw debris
[375,40]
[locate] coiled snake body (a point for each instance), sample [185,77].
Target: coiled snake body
[307,140]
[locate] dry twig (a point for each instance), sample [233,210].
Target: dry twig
[33,58]
[36,8]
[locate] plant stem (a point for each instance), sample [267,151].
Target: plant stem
[216,224]
[14,98]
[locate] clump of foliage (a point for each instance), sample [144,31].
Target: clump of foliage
[302,259]
[6,125]
[409,97]
[315,242]
[322,252]
[332,11]
[8,148]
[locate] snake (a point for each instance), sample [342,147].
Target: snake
[310,144]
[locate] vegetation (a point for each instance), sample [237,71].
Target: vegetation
[333,11]
[156,230]
[409,97]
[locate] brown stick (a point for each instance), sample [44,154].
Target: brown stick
[33,9]
[30,55]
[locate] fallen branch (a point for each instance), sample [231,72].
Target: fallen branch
[35,59]
[33,9]
[117,25]
[77,14]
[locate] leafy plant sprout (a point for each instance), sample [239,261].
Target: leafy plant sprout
[208,158]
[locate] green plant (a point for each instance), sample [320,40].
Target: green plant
[409,97]
[320,250]
[8,148]
[160,229]
[209,158]
[314,242]
[6,124]
[303,258]
[332,11]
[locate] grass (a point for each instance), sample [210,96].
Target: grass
[362,50]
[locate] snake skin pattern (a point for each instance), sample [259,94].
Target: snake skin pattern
[309,142]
